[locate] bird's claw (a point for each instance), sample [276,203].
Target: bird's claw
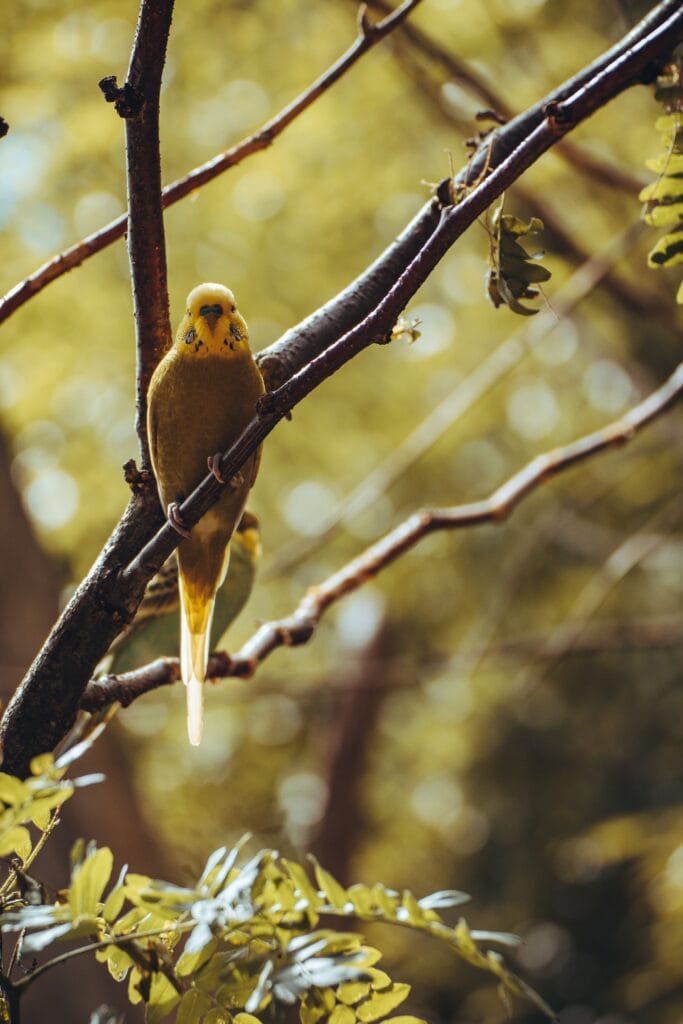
[176,520]
[214,464]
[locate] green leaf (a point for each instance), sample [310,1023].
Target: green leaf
[163,997]
[310,1011]
[13,791]
[380,1004]
[134,994]
[668,123]
[218,1016]
[351,992]
[670,164]
[88,882]
[16,840]
[411,908]
[193,1006]
[113,905]
[43,764]
[303,883]
[379,980]
[41,809]
[668,250]
[335,893]
[406,1019]
[342,1015]
[190,963]
[246,1018]
[387,902]
[362,898]
[119,962]
[665,214]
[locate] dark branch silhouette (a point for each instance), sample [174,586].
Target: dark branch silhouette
[45,704]
[127,100]
[299,627]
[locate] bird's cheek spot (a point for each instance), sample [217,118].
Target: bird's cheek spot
[190,336]
[235,331]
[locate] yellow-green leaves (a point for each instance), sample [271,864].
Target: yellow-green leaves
[335,893]
[16,839]
[663,198]
[34,801]
[88,882]
[244,938]
[513,272]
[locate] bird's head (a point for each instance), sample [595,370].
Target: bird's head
[212,323]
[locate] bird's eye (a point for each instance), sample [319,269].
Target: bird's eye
[233,309]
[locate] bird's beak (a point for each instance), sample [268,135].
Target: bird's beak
[212,314]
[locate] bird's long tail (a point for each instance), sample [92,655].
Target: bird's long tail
[195,632]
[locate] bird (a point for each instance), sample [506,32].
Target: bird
[153,633]
[201,396]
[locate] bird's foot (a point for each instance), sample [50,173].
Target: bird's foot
[214,464]
[176,520]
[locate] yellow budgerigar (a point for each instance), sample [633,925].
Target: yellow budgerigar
[201,396]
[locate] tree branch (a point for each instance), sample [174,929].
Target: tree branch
[42,709]
[559,119]
[369,35]
[632,295]
[45,705]
[493,368]
[299,627]
[146,242]
[343,312]
[599,168]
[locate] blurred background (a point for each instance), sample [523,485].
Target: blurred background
[500,711]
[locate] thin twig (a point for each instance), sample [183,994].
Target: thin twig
[122,941]
[600,168]
[355,302]
[558,234]
[43,708]
[624,557]
[369,35]
[146,242]
[299,627]
[493,368]
[376,327]
[574,638]
[45,705]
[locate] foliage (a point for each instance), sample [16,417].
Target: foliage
[664,197]
[513,272]
[244,936]
[483,768]
[35,801]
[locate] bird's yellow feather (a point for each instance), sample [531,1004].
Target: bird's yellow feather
[201,397]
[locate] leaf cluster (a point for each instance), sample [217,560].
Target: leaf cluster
[247,937]
[513,272]
[664,197]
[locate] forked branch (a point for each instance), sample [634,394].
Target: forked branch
[300,626]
